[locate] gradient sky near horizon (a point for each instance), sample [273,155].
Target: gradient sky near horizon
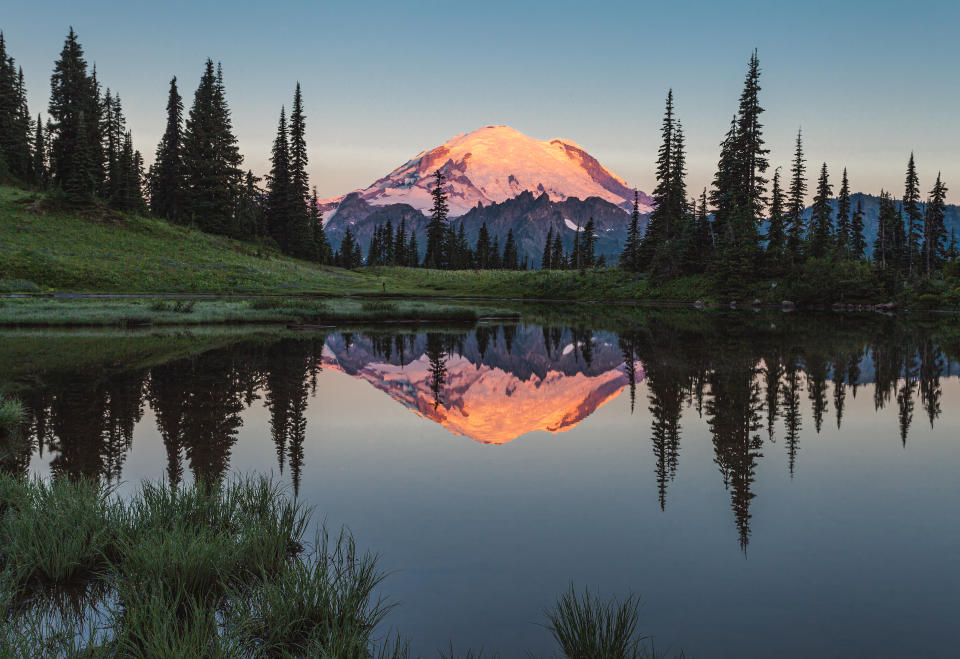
[868,82]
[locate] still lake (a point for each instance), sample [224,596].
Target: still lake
[770,484]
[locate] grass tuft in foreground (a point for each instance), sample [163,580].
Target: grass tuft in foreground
[585,626]
[182,572]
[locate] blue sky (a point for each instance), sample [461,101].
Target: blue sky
[867,81]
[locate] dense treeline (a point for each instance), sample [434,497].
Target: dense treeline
[448,247]
[750,231]
[748,227]
[84,151]
[85,156]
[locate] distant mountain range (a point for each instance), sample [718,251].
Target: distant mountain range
[510,181]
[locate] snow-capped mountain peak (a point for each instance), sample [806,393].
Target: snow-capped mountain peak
[497,163]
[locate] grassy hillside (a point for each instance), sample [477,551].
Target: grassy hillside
[104,251]
[98,250]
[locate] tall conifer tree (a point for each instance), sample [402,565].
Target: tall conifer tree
[15,121]
[167,185]
[844,232]
[658,226]
[858,242]
[935,231]
[547,250]
[821,222]
[281,196]
[752,156]
[211,159]
[776,234]
[73,94]
[630,258]
[298,147]
[39,154]
[796,230]
[914,217]
[437,228]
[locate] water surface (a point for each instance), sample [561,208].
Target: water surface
[771,485]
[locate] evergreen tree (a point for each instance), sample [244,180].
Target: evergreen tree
[911,208]
[776,234]
[251,219]
[437,228]
[127,189]
[413,253]
[678,184]
[752,156]
[464,255]
[587,243]
[39,155]
[301,224]
[400,243]
[281,197]
[373,250]
[357,258]
[211,159]
[953,251]
[844,230]
[450,247]
[883,248]
[73,163]
[658,226]
[630,257]
[703,234]
[348,250]
[821,222]
[495,261]
[388,240]
[556,257]
[15,122]
[115,131]
[548,250]
[723,194]
[298,151]
[900,242]
[511,258]
[858,242]
[94,109]
[796,230]
[484,249]
[9,110]
[167,185]
[935,231]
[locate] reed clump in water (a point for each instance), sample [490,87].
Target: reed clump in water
[178,572]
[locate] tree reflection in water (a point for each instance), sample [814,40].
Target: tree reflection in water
[745,376]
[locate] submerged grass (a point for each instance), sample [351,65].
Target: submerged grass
[216,571]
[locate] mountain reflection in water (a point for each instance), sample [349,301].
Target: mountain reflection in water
[744,377]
